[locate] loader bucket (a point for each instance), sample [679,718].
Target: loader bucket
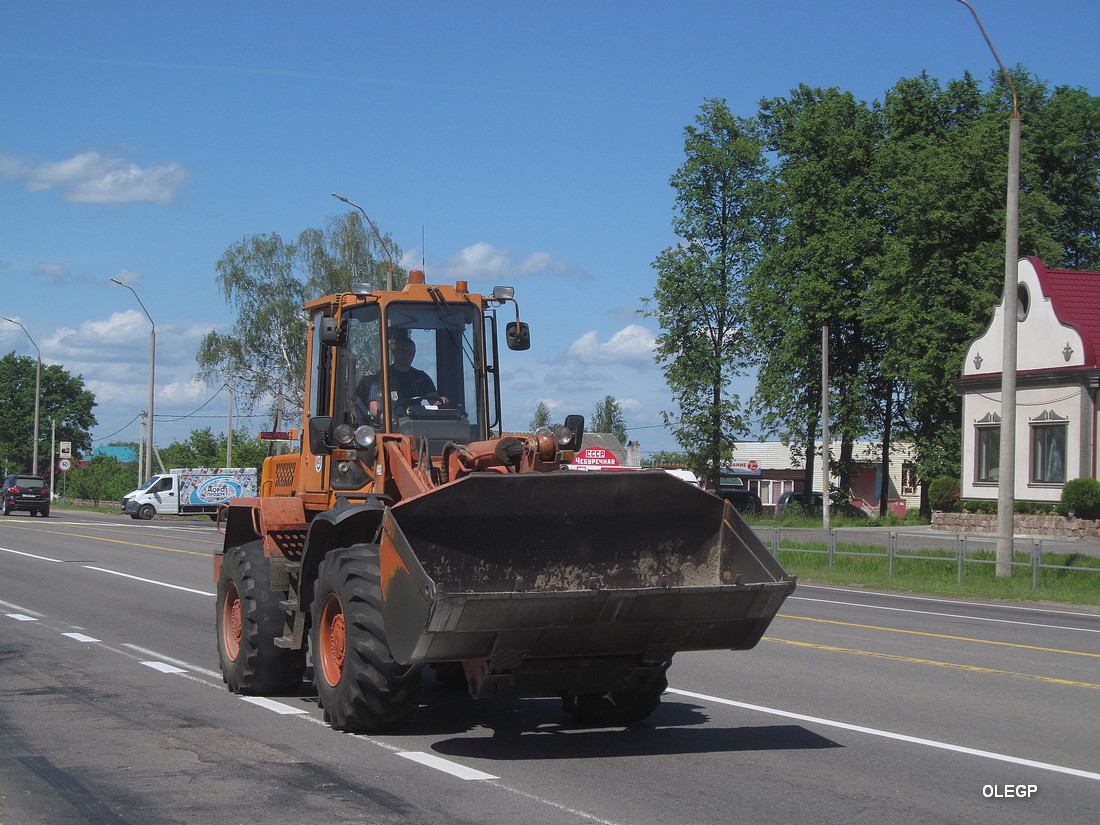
[544,566]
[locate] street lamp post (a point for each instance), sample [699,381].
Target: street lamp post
[1006,479]
[37,393]
[389,270]
[152,371]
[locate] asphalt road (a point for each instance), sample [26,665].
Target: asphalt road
[856,708]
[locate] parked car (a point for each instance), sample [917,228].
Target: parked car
[743,501]
[812,504]
[23,491]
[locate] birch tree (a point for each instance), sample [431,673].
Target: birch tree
[699,299]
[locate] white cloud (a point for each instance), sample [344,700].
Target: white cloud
[484,262]
[129,276]
[185,392]
[633,344]
[93,177]
[54,273]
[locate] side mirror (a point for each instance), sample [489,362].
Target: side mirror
[334,333]
[576,424]
[320,428]
[518,335]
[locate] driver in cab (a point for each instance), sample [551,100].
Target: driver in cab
[406,381]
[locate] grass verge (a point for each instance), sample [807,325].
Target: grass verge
[936,573]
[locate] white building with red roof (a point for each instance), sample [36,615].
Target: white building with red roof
[1058,373]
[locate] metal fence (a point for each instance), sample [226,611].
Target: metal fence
[961,545]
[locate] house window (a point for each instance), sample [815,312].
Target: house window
[988,459]
[909,479]
[1048,449]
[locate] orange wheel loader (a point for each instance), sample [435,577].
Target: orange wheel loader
[407,530]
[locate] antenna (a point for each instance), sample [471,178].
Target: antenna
[382,243]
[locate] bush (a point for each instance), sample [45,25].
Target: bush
[974,506]
[1081,498]
[943,493]
[1035,508]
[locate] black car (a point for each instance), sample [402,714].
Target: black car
[23,491]
[812,503]
[743,501]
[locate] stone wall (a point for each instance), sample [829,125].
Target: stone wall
[1061,526]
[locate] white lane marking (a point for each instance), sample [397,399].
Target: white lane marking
[164,667]
[149,581]
[80,637]
[18,608]
[187,666]
[20,617]
[445,765]
[885,734]
[30,555]
[948,615]
[271,704]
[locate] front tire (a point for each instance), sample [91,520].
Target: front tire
[249,619]
[619,707]
[146,512]
[359,685]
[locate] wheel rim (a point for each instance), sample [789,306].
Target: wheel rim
[332,640]
[231,621]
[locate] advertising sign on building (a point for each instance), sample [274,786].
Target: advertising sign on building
[750,467]
[596,457]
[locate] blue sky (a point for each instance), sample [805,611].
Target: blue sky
[519,143]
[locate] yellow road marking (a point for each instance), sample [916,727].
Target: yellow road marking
[973,668]
[940,635]
[114,541]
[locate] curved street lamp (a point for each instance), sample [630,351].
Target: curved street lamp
[1006,483]
[37,391]
[152,370]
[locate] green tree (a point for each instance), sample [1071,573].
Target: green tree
[1061,129]
[824,194]
[943,163]
[204,449]
[699,300]
[608,418]
[267,281]
[542,417]
[891,232]
[63,399]
[102,479]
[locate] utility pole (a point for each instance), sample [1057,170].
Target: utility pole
[229,432]
[826,501]
[1006,471]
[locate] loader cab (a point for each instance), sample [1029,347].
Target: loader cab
[433,384]
[362,363]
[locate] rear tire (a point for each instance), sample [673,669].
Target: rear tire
[359,685]
[619,707]
[249,619]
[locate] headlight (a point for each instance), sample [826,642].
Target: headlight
[564,435]
[348,437]
[364,437]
